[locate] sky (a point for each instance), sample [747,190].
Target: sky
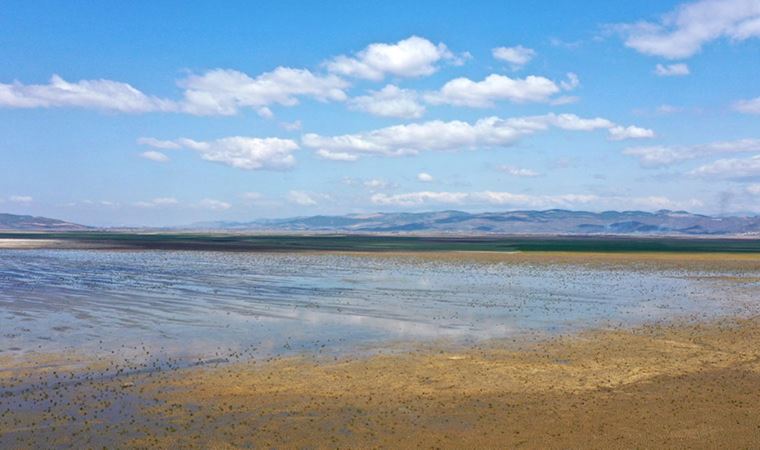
[165,113]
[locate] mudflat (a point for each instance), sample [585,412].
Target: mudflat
[667,386]
[674,383]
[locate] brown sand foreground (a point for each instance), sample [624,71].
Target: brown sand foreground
[669,386]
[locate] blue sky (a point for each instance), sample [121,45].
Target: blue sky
[159,113]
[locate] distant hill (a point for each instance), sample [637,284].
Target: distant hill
[13,222]
[553,221]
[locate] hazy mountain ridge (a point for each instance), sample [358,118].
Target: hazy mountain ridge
[31,223]
[553,221]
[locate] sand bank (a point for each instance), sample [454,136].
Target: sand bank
[30,243]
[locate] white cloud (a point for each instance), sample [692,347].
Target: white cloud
[619,133]
[154,156]
[224,92]
[494,88]
[751,106]
[517,171]
[213,205]
[105,95]
[21,199]
[305,198]
[157,143]
[424,177]
[682,32]
[215,92]
[336,156]
[264,112]
[656,202]
[483,197]
[391,101]
[512,200]
[571,83]
[237,151]
[438,135]
[160,201]
[292,126]
[672,70]
[411,57]
[659,156]
[732,168]
[375,184]
[517,56]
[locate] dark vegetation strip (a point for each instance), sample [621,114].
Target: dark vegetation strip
[239,242]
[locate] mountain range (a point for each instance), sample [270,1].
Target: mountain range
[553,221]
[13,222]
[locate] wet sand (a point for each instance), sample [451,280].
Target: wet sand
[30,243]
[668,386]
[745,262]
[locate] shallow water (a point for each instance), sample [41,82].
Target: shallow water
[188,305]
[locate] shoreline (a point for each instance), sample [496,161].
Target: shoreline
[384,244]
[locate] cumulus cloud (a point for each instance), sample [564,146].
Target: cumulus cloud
[682,32]
[337,156]
[391,101]
[215,92]
[424,177]
[237,151]
[494,88]
[659,156]
[411,57]
[304,198]
[517,56]
[512,200]
[104,95]
[751,106]
[517,171]
[224,92]
[154,156]
[438,135]
[672,70]
[731,168]
[619,133]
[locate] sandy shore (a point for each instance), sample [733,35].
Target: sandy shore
[674,386]
[711,262]
[30,243]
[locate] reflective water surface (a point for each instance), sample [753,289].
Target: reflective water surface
[206,304]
